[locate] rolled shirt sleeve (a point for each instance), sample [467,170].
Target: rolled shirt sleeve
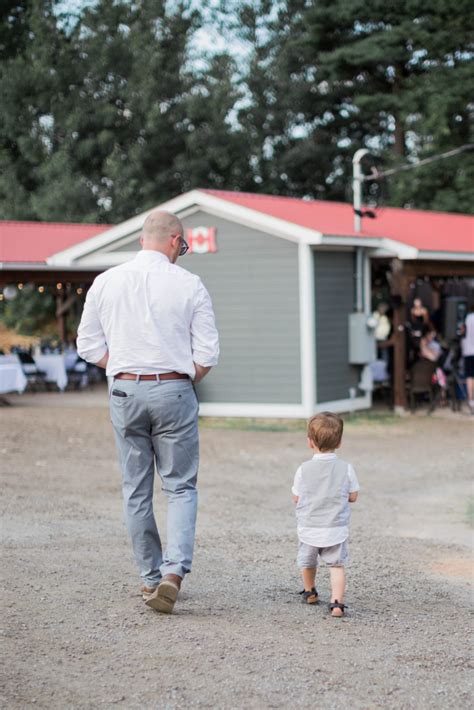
[297,483]
[353,482]
[91,343]
[204,335]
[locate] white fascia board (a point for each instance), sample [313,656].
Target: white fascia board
[17,265]
[354,242]
[35,266]
[447,255]
[382,246]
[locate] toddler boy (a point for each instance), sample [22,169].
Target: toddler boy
[322,490]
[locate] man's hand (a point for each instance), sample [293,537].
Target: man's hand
[353,497]
[200,373]
[294,498]
[103,361]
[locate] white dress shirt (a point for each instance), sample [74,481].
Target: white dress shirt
[467,342]
[152,317]
[325,537]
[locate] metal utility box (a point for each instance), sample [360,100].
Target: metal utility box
[361,339]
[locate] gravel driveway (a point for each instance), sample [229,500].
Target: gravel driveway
[77,635]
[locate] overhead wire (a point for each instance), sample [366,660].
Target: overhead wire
[375,175]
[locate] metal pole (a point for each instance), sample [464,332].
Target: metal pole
[357,186]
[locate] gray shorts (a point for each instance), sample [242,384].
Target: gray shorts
[334,556]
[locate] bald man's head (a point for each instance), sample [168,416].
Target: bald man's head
[159,227]
[162,232]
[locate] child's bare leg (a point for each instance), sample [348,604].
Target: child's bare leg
[309,576]
[338,586]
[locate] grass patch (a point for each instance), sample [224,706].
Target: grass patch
[294,425]
[253,424]
[372,417]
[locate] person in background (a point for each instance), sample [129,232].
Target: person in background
[150,323]
[467,345]
[383,327]
[430,349]
[419,316]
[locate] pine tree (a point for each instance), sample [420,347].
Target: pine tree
[343,75]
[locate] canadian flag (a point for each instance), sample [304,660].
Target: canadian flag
[201,240]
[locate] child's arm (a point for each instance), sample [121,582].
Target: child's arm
[295,491]
[353,485]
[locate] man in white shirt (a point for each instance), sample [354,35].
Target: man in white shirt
[151,324]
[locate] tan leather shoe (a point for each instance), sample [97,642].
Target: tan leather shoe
[146,592]
[164,597]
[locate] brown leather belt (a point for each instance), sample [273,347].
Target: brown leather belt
[163,376]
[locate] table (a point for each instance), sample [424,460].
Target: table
[55,368]
[12,377]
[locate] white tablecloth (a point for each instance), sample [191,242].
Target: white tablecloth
[12,377]
[55,368]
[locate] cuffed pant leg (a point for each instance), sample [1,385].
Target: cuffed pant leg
[136,457]
[176,443]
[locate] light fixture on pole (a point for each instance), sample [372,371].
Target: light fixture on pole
[357,179]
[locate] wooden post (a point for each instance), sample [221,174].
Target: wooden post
[61,318]
[399,356]
[399,283]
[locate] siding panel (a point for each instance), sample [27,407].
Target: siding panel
[334,300]
[253,283]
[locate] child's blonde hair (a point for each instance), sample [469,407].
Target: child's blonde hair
[325,430]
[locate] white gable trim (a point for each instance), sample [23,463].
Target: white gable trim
[189,201]
[130,226]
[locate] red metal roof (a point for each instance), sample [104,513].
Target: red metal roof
[427,231]
[34,242]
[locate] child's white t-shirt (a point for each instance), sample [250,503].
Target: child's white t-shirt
[325,537]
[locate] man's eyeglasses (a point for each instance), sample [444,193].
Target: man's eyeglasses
[184,247]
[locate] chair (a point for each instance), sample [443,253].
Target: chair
[33,374]
[421,382]
[78,377]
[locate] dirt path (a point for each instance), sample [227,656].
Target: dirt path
[76,635]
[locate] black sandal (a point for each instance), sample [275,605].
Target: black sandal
[337,605]
[309,597]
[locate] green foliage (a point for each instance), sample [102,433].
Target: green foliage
[332,76]
[112,111]
[30,311]
[107,116]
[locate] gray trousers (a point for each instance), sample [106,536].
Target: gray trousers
[157,421]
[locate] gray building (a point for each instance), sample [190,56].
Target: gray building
[284,291]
